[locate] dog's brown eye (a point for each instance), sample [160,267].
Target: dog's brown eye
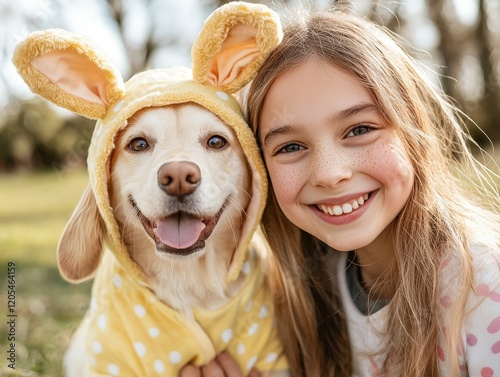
[217,142]
[138,144]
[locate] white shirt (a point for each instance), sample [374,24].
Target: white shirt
[480,336]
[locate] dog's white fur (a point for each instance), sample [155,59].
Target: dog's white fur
[173,133]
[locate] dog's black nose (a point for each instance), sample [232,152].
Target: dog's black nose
[179,178]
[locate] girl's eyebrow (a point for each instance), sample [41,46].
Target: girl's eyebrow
[277,131]
[365,107]
[361,108]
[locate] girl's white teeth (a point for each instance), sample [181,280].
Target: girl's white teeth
[348,207]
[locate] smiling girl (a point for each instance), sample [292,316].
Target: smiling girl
[386,264]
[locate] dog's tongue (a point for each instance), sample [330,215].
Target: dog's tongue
[179,231]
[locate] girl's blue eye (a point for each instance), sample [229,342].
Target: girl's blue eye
[359,130]
[290,148]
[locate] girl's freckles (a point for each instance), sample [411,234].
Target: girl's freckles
[285,180]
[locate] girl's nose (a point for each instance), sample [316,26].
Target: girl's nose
[330,167]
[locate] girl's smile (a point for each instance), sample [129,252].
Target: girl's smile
[341,210]
[337,169]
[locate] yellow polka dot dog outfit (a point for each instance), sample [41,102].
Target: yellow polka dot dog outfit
[131,332]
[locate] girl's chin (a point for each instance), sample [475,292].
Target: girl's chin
[343,247]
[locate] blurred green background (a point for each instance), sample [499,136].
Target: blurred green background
[43,149]
[35,207]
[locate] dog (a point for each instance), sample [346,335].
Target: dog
[173,167]
[177,168]
[168,227]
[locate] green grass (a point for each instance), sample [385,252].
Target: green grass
[34,209]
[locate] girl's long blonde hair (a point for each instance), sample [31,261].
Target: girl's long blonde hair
[447,210]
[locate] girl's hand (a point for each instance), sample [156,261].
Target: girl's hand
[222,366]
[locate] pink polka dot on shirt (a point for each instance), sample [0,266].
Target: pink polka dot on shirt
[471,340]
[495,348]
[487,372]
[494,326]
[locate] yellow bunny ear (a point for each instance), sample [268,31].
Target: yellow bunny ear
[233,43]
[69,71]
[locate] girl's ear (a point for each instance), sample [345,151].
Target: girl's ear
[80,245]
[233,43]
[69,71]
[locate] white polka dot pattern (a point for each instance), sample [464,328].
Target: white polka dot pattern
[271,357]
[113,369]
[240,349]
[222,95]
[154,332]
[159,366]
[139,311]
[227,335]
[162,350]
[140,349]
[97,347]
[253,329]
[117,281]
[251,362]
[175,357]
[102,321]
[246,268]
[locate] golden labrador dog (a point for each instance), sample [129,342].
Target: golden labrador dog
[179,187]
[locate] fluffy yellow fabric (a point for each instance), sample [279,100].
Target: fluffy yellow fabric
[163,87]
[161,341]
[267,34]
[40,45]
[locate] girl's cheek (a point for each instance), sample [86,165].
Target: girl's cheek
[388,158]
[286,180]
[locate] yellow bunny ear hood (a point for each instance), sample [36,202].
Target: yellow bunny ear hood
[71,72]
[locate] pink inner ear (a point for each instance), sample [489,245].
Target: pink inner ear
[74,74]
[237,51]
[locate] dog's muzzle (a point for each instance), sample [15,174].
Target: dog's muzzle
[180,233]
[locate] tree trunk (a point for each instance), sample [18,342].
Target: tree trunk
[490,103]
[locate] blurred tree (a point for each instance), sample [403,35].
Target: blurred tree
[490,101]
[442,13]
[460,45]
[137,56]
[37,137]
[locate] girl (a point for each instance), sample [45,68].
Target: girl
[385,236]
